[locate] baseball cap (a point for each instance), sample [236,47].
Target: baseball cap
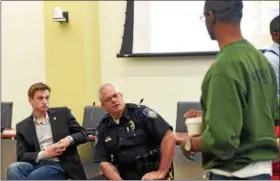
[225,10]
[275,24]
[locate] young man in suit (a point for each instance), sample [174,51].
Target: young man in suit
[47,141]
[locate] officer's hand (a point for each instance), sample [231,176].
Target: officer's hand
[155,175]
[192,114]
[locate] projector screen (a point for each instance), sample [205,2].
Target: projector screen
[177,27]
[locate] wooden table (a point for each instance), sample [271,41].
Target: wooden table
[8,134]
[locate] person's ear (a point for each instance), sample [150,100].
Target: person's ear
[276,35]
[211,18]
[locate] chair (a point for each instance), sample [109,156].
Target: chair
[183,166]
[92,116]
[6,115]
[182,108]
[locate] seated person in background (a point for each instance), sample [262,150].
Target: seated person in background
[133,141]
[273,56]
[47,141]
[272,53]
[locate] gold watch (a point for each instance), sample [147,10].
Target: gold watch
[188,145]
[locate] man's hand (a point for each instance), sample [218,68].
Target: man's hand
[63,144]
[189,154]
[155,175]
[110,171]
[277,160]
[192,114]
[51,151]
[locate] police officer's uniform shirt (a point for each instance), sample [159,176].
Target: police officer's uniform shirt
[139,129]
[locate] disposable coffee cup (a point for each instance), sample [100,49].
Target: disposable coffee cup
[194,125]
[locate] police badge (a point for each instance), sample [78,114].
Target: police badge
[132,125]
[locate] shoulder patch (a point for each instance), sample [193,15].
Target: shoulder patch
[150,113]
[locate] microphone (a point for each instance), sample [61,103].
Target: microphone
[91,130]
[140,102]
[93,104]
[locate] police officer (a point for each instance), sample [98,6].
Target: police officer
[133,141]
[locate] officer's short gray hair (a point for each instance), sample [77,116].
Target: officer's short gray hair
[104,86]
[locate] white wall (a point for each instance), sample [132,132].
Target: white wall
[23,53]
[161,82]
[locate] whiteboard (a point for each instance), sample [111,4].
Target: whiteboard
[176,26]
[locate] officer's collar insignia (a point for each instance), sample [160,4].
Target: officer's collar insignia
[108,138]
[132,125]
[150,113]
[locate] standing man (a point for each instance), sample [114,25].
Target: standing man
[134,142]
[238,103]
[272,54]
[47,141]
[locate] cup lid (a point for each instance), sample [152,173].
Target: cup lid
[193,120]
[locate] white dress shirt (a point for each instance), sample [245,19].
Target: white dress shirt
[44,135]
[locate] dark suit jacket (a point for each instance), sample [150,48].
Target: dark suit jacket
[63,124]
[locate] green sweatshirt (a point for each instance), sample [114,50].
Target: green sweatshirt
[239,107]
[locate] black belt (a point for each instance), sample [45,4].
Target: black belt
[277,122]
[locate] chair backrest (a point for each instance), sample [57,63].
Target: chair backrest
[6,114]
[92,116]
[182,108]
